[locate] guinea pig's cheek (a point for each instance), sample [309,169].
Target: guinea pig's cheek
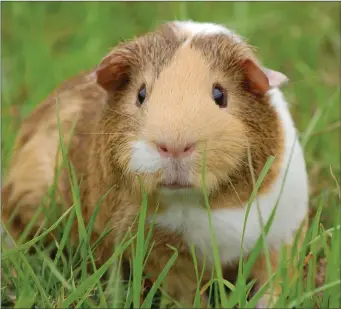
[144,158]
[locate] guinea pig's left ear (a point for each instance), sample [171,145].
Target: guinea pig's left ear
[261,80]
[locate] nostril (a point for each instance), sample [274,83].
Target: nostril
[189,148]
[162,148]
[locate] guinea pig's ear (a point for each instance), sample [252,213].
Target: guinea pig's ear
[262,80]
[113,73]
[276,79]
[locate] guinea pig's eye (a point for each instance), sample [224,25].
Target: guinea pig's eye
[219,96]
[141,96]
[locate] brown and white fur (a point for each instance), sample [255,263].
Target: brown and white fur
[116,139]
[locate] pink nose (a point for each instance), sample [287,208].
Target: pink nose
[168,151]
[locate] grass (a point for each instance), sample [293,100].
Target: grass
[43,43]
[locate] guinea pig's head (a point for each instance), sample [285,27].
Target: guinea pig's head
[186,95]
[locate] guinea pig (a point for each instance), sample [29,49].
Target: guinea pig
[165,106]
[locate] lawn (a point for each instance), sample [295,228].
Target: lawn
[44,43]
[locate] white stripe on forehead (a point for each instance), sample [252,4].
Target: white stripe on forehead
[192,28]
[197,28]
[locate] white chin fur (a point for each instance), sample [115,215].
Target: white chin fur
[189,217]
[144,158]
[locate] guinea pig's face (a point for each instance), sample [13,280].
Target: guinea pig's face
[178,102]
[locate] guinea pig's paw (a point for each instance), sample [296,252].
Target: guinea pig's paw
[264,302]
[260,305]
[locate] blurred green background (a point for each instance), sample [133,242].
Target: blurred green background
[44,43]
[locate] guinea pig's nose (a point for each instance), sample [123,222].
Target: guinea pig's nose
[175,151]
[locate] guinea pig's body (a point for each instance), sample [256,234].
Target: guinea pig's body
[153,108]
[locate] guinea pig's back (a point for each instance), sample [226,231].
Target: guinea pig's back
[68,114]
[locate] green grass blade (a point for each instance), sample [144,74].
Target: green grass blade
[148,301]
[87,285]
[33,241]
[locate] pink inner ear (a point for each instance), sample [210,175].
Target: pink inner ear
[276,79]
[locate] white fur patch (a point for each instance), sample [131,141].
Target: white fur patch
[189,217]
[196,28]
[144,158]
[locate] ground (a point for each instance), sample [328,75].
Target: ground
[44,43]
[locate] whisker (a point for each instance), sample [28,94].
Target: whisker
[234,189]
[125,115]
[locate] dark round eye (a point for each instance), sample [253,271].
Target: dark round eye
[219,96]
[141,96]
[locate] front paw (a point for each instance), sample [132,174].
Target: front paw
[266,302]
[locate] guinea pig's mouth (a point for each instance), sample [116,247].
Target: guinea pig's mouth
[175,186]
[176,176]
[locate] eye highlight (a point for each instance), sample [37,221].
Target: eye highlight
[141,95]
[219,96]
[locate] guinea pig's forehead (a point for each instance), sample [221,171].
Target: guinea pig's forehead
[158,50]
[220,50]
[187,70]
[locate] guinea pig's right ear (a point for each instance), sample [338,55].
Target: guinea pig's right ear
[276,79]
[113,73]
